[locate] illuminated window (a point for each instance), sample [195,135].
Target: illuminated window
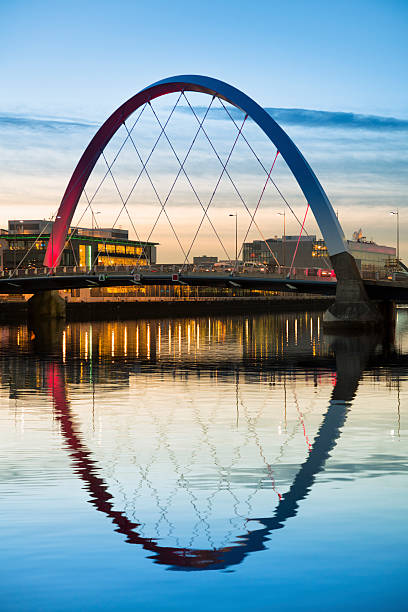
[106,260]
[82,255]
[110,248]
[319,250]
[120,249]
[130,250]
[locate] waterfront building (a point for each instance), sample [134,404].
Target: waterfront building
[203,260]
[279,251]
[25,243]
[312,253]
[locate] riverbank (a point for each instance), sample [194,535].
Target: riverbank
[16,312]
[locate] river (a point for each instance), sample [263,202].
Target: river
[224,463]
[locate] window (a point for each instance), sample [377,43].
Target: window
[319,250]
[17,245]
[82,255]
[106,260]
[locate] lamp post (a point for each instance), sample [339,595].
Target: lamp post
[284,236]
[236,236]
[396,212]
[93,218]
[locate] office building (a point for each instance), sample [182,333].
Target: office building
[25,244]
[312,253]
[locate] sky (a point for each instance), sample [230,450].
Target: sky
[333,75]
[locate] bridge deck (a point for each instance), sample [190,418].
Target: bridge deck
[378,290]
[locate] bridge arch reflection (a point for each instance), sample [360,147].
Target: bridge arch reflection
[351,355]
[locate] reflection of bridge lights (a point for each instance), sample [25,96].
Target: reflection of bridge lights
[263,338]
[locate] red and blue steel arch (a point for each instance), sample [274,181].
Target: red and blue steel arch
[314,193]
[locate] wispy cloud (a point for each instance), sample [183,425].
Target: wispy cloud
[286,116]
[42,123]
[313,118]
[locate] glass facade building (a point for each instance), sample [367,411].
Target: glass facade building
[312,253]
[84,247]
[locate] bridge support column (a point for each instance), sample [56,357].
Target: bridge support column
[46,305]
[352,307]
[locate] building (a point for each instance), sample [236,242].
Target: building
[203,260]
[371,257]
[280,251]
[25,244]
[312,253]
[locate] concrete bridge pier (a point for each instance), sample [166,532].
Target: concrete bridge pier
[388,312]
[352,307]
[45,306]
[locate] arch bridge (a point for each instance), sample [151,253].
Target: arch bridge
[352,305]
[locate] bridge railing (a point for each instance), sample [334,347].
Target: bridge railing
[282,272]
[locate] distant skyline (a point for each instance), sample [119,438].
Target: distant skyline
[332,76]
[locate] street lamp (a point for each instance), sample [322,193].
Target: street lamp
[284,236]
[236,236]
[396,212]
[93,218]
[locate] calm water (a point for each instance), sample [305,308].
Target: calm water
[208,464]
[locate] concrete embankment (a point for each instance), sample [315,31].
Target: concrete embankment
[17,311]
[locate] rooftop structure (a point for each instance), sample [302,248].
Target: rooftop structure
[40,226]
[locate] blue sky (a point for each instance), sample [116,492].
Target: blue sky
[77,62]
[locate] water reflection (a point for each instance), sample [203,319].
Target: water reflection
[276,348]
[186,340]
